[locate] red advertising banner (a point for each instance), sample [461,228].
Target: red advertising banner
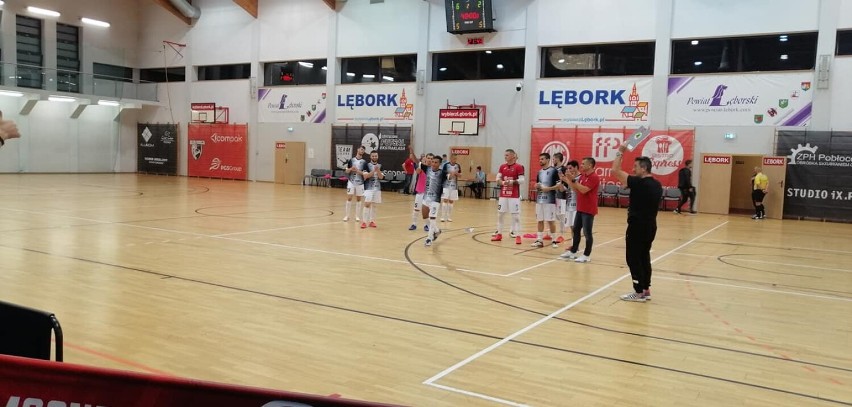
[717,159]
[666,149]
[780,161]
[218,151]
[31,382]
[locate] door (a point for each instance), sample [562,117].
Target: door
[741,185]
[471,157]
[775,168]
[289,162]
[714,190]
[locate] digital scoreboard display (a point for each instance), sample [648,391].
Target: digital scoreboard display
[469,16]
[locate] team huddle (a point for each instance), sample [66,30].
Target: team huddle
[566,196]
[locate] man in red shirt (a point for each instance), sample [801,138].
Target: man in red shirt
[586,187]
[509,179]
[408,167]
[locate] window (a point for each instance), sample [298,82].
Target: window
[175,74]
[67,58]
[307,72]
[777,52]
[473,65]
[844,42]
[30,58]
[389,68]
[222,72]
[598,60]
[112,72]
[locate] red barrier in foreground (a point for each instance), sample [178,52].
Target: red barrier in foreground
[37,383]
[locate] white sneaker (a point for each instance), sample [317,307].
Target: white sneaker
[634,297]
[583,259]
[443,219]
[346,219]
[554,245]
[513,235]
[449,219]
[495,233]
[357,219]
[428,242]
[537,243]
[568,255]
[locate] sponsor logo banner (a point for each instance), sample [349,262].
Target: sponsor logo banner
[740,100]
[30,382]
[389,103]
[819,174]
[666,149]
[593,101]
[291,104]
[717,159]
[218,151]
[391,142]
[157,148]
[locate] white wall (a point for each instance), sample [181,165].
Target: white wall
[316,136]
[377,29]
[284,36]
[564,22]
[223,34]
[841,97]
[718,18]
[845,14]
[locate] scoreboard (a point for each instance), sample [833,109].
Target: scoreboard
[469,16]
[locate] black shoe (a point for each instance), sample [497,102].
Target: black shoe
[677,211]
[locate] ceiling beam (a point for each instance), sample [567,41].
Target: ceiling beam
[166,4]
[330,3]
[248,5]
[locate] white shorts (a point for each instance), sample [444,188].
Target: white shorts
[561,206]
[434,207]
[373,195]
[545,212]
[418,200]
[569,218]
[358,190]
[511,205]
[451,194]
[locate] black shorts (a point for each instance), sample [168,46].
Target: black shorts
[757,195]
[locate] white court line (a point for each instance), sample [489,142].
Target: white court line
[472,394]
[729,242]
[298,226]
[742,287]
[767,262]
[501,342]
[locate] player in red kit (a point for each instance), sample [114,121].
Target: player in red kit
[509,179]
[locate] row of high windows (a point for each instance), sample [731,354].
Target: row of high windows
[777,52]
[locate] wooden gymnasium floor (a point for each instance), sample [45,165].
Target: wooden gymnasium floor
[263,285]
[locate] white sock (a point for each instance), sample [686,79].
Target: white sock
[373,213]
[449,210]
[348,207]
[560,220]
[500,221]
[357,207]
[414,214]
[433,227]
[365,214]
[539,235]
[516,223]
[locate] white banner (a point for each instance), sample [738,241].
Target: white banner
[388,103]
[291,104]
[782,99]
[598,101]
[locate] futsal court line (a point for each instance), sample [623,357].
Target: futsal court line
[742,287]
[431,381]
[298,226]
[735,243]
[764,261]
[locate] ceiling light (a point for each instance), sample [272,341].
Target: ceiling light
[784,56]
[108,103]
[694,42]
[61,99]
[697,63]
[488,52]
[499,66]
[91,21]
[306,64]
[782,38]
[368,76]
[561,60]
[325,68]
[387,78]
[11,93]
[44,12]
[442,69]
[350,74]
[2,2]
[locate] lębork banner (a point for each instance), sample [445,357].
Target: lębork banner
[157,148]
[819,174]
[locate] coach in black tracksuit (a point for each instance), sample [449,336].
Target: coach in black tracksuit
[645,194]
[684,184]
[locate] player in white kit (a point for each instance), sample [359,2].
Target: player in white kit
[372,190]
[451,189]
[355,185]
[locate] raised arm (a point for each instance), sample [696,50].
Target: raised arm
[617,172]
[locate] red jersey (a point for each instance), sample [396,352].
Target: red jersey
[588,202]
[510,172]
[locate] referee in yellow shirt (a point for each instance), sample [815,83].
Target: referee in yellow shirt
[760,185]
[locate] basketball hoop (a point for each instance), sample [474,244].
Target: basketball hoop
[176,47]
